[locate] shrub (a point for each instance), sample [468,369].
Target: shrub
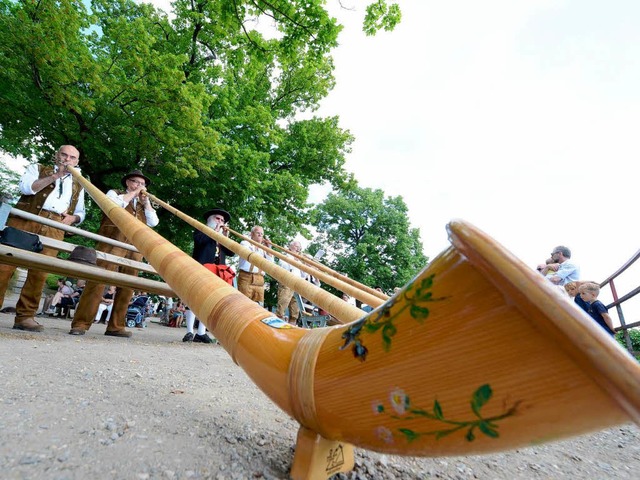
[52,281]
[634,335]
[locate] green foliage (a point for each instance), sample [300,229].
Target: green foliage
[8,183]
[369,237]
[203,102]
[634,335]
[206,102]
[381,15]
[52,281]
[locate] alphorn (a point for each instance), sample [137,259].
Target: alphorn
[478,353]
[303,263]
[341,310]
[45,263]
[318,266]
[68,228]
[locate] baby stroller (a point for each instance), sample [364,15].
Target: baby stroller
[137,312]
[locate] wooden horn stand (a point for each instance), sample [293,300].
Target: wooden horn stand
[477,354]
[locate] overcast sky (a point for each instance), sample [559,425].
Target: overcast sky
[519,117]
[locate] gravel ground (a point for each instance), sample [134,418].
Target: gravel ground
[152,407]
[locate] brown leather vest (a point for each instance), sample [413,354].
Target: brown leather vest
[33,203]
[108,228]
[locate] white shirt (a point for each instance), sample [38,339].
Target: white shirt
[59,199]
[295,270]
[149,213]
[245,265]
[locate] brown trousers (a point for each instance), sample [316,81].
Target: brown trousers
[92,295]
[251,285]
[31,292]
[286,300]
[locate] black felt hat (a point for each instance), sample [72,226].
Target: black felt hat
[84,255]
[219,211]
[135,173]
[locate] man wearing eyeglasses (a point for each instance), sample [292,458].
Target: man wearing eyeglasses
[250,277]
[566,271]
[48,191]
[135,201]
[286,298]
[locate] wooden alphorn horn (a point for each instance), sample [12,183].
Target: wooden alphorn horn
[316,267]
[478,353]
[342,311]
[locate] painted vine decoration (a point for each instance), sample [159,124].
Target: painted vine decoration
[412,298]
[403,409]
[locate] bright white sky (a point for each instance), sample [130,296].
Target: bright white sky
[520,117]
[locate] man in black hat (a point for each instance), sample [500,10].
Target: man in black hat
[135,201]
[206,250]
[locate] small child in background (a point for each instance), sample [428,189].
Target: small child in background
[549,268]
[573,290]
[589,293]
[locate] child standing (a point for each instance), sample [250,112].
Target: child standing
[589,293]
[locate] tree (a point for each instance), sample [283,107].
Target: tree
[205,103]
[8,183]
[369,237]
[381,15]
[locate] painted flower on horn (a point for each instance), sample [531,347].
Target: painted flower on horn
[413,300]
[384,434]
[404,411]
[399,401]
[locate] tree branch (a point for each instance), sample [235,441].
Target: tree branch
[246,33]
[273,7]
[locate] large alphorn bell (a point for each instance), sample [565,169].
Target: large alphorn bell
[303,262]
[342,311]
[477,354]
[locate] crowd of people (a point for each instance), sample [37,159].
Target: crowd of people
[560,270]
[66,297]
[50,192]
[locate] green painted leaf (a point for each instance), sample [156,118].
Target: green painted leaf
[487,430]
[427,282]
[420,412]
[373,327]
[419,313]
[443,433]
[386,343]
[409,434]
[437,410]
[480,397]
[389,330]
[426,297]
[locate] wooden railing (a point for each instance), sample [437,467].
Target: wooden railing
[618,301]
[24,259]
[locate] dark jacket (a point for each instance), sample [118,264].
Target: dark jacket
[204,250]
